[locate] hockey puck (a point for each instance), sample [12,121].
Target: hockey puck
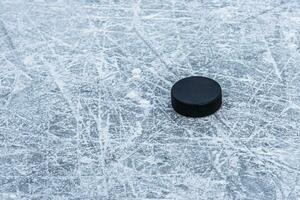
[196,96]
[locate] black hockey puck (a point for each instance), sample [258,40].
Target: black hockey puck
[196,96]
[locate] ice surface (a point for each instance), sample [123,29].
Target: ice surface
[85,100]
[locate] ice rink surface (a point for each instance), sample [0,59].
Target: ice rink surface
[85,100]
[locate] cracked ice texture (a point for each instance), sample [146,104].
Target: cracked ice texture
[85,99]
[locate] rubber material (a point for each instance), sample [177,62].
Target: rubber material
[196,96]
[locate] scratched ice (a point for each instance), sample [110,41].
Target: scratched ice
[85,100]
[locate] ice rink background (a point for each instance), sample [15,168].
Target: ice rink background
[85,100]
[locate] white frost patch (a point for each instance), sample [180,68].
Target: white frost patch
[138,128]
[144,103]
[22,81]
[86,160]
[290,39]
[136,96]
[136,73]
[224,13]
[267,57]
[28,60]
[294,19]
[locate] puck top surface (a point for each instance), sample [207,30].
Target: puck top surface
[196,96]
